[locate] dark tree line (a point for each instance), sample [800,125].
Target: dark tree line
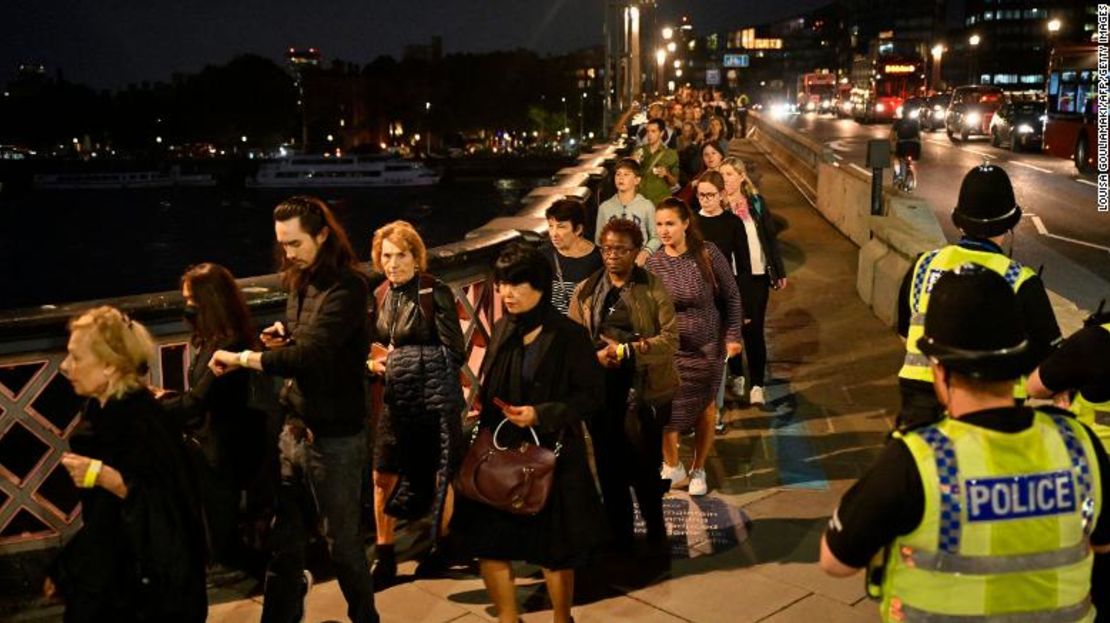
[255,97]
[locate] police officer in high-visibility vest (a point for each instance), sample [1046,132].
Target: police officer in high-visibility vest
[992,513]
[1078,374]
[986,212]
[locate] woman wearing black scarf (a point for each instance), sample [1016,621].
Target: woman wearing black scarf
[544,366]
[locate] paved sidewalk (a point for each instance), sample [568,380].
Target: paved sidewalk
[830,403]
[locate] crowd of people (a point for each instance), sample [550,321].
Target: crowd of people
[611,348]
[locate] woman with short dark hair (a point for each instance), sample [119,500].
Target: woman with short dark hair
[632,322]
[542,370]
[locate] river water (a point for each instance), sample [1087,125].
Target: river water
[65,246]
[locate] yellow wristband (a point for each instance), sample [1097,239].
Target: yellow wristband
[92,473]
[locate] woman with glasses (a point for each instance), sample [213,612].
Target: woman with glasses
[760,268]
[631,320]
[707,304]
[722,228]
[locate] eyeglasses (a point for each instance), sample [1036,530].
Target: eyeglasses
[708,195]
[616,251]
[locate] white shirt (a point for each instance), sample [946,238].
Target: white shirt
[755,249]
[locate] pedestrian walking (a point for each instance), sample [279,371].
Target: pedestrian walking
[707,304]
[573,257]
[321,350]
[417,351]
[540,382]
[759,270]
[139,555]
[632,322]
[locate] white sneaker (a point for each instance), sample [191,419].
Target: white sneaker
[756,395]
[307,589]
[698,486]
[674,474]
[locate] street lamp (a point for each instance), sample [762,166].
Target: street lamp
[660,59]
[972,60]
[671,47]
[1053,27]
[938,54]
[668,33]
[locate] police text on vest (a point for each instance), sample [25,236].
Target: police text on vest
[1015,497]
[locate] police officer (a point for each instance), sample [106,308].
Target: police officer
[1080,371]
[986,212]
[991,512]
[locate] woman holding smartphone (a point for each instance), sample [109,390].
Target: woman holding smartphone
[540,377]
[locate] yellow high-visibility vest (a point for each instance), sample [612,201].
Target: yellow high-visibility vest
[1006,526]
[928,269]
[1091,412]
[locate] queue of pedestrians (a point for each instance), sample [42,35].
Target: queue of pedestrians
[611,348]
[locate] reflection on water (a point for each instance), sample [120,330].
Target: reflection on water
[63,246]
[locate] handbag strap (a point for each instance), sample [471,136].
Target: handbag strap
[558,444]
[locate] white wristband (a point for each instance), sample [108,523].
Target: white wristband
[243,361]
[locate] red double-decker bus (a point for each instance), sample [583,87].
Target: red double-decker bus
[881,85]
[1069,128]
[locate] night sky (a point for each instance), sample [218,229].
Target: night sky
[110,43]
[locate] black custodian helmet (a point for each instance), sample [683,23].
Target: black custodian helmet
[987,206]
[973,326]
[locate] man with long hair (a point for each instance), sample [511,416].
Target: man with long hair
[321,350]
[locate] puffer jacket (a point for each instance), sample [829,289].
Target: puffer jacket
[653,317]
[424,401]
[400,318]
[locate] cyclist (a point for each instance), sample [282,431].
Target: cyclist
[905,140]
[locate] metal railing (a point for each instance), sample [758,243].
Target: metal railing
[39,509]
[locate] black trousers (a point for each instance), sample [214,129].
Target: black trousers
[628,459]
[919,404]
[322,479]
[755,292]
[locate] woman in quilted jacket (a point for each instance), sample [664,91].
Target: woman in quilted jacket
[417,351]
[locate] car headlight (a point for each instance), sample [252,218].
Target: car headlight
[938,114]
[915,113]
[1024,128]
[879,107]
[972,119]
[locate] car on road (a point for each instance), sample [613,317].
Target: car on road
[937,109]
[1019,125]
[969,114]
[912,108]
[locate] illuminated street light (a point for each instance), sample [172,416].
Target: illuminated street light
[243,138]
[938,51]
[671,47]
[331,138]
[660,56]
[427,105]
[677,64]
[1054,26]
[668,33]
[158,139]
[974,40]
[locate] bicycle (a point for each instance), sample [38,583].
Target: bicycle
[905,174]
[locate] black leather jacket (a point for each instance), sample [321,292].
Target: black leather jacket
[401,322]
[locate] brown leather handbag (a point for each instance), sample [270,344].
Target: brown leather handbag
[515,480]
